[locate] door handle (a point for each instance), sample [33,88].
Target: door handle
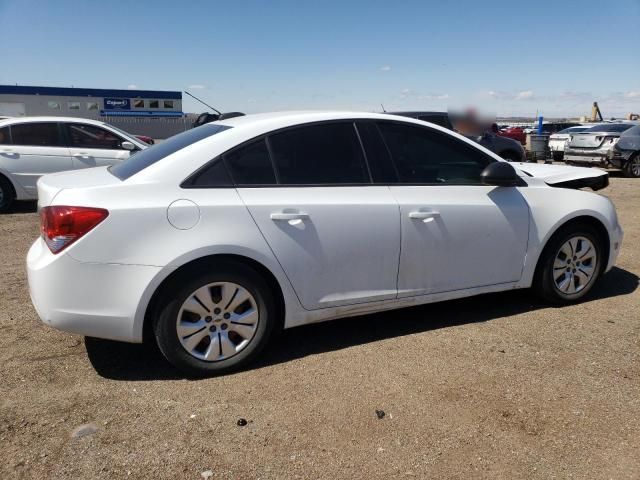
[81,155]
[289,216]
[423,215]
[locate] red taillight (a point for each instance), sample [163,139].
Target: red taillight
[61,225]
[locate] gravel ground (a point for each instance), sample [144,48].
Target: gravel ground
[493,386]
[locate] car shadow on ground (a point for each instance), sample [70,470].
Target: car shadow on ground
[123,361]
[24,206]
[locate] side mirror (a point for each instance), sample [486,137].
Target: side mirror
[128,145]
[500,174]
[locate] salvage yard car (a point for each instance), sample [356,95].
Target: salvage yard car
[593,146]
[215,239]
[558,141]
[33,146]
[625,153]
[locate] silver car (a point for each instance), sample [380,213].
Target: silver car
[592,146]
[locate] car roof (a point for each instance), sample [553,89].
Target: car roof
[416,113]
[17,120]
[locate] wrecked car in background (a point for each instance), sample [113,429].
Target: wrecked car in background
[625,153]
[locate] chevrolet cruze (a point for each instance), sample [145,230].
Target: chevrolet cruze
[212,241]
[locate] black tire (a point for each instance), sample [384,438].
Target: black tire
[7,195]
[629,167]
[544,283]
[165,325]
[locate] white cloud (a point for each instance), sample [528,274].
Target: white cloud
[386,68]
[635,94]
[196,87]
[132,87]
[406,92]
[526,94]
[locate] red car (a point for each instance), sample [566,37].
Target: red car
[145,139]
[515,133]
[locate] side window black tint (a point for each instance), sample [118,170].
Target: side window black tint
[251,165]
[422,155]
[380,163]
[90,136]
[214,174]
[5,138]
[36,134]
[324,154]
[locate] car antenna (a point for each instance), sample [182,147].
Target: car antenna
[193,96]
[383,110]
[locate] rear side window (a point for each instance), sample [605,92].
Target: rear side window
[36,134]
[5,136]
[251,165]
[157,152]
[422,155]
[90,136]
[325,154]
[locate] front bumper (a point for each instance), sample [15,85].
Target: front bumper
[616,238]
[92,299]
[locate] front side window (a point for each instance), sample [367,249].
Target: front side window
[251,165]
[89,136]
[36,134]
[424,156]
[324,154]
[5,138]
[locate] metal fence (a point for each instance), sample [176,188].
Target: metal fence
[157,128]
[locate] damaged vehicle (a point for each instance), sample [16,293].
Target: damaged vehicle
[625,154]
[558,141]
[593,146]
[217,238]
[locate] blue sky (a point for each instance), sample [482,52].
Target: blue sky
[507,57]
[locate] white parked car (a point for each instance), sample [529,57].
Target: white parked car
[33,146]
[214,239]
[557,141]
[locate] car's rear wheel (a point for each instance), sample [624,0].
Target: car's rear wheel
[632,167]
[6,194]
[570,264]
[217,321]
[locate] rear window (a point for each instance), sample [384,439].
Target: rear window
[141,160]
[612,127]
[574,129]
[632,132]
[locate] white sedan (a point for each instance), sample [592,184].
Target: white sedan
[33,146]
[211,241]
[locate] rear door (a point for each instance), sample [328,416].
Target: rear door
[94,146]
[35,149]
[335,234]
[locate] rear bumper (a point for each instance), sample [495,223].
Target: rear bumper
[97,300]
[588,156]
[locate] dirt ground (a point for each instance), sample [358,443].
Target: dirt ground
[497,386]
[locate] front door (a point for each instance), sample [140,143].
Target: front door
[335,234]
[93,146]
[456,233]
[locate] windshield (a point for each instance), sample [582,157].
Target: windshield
[155,153]
[611,127]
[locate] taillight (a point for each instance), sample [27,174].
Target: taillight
[61,225]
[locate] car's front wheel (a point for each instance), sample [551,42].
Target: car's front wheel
[632,167]
[570,265]
[217,321]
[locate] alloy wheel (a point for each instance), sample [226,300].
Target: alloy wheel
[575,265]
[217,321]
[635,166]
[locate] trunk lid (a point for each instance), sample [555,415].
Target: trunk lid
[50,185]
[591,140]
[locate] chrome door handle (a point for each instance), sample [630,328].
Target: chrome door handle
[423,215]
[81,155]
[289,216]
